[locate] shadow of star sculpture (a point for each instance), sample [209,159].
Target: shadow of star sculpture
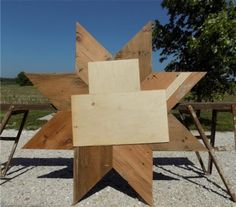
[133,162]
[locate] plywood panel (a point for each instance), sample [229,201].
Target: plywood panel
[90,165]
[134,164]
[87,50]
[114,76]
[181,139]
[140,47]
[58,88]
[55,134]
[120,118]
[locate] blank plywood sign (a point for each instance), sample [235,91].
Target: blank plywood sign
[120,118]
[114,76]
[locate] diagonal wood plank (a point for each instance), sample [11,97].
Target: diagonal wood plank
[87,50]
[90,165]
[181,139]
[177,84]
[55,134]
[58,88]
[134,164]
[139,47]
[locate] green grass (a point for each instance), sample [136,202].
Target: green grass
[13,93]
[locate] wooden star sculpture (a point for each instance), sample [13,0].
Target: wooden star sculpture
[133,162]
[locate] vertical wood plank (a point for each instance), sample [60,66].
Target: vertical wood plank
[134,164]
[90,165]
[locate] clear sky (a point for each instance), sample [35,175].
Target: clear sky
[39,35]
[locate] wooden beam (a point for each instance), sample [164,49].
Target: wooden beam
[87,50]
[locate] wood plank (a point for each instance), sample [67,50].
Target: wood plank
[120,118]
[140,47]
[55,134]
[177,84]
[87,50]
[184,88]
[90,165]
[58,88]
[181,139]
[134,164]
[115,76]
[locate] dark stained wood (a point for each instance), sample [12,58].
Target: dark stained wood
[139,47]
[55,134]
[90,165]
[5,106]
[58,88]
[181,139]
[88,49]
[134,163]
[218,106]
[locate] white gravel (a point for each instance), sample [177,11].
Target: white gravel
[43,178]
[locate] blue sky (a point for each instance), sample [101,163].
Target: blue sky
[39,35]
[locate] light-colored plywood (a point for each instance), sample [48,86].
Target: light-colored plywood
[140,47]
[55,134]
[120,118]
[134,163]
[58,88]
[88,49]
[114,76]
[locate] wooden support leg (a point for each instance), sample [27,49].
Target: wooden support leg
[234,117]
[6,118]
[196,152]
[213,134]
[5,169]
[212,153]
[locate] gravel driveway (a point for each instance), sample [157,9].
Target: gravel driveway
[43,178]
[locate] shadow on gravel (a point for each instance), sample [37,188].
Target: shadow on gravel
[186,164]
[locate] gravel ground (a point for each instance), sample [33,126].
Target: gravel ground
[43,178]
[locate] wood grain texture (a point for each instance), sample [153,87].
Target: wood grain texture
[87,50]
[90,165]
[55,134]
[120,118]
[114,76]
[184,88]
[58,88]
[134,164]
[181,139]
[140,47]
[177,84]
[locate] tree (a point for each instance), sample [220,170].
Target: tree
[200,36]
[22,80]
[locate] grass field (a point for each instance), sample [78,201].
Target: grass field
[13,93]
